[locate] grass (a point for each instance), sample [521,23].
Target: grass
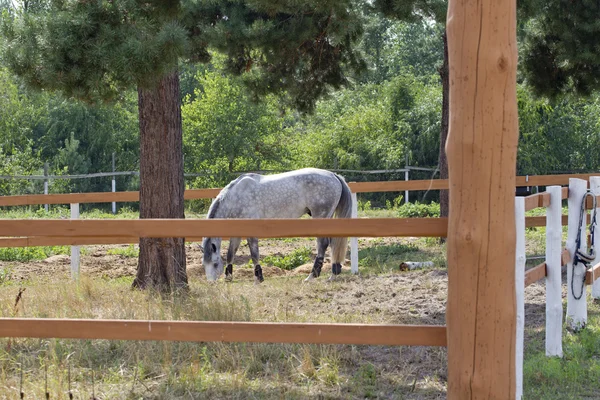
[576,375]
[183,370]
[24,254]
[294,259]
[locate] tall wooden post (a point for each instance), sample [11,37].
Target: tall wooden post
[482,150]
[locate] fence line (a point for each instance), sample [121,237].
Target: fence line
[190,194]
[198,174]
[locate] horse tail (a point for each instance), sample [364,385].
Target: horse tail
[339,245]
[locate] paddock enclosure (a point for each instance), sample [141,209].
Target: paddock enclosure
[482,313]
[78,232]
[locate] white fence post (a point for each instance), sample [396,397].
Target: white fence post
[576,308]
[520,292]
[75,250]
[46,183]
[554,308]
[354,241]
[406,191]
[114,185]
[595,187]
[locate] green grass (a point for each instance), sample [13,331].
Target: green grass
[576,375]
[24,254]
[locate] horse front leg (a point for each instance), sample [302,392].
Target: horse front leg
[234,244]
[322,244]
[253,245]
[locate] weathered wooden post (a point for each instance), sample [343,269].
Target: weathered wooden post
[482,150]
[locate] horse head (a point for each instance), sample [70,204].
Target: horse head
[212,261]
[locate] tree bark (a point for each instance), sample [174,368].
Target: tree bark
[161,264]
[482,152]
[443,160]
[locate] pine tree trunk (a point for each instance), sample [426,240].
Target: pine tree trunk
[443,161]
[161,264]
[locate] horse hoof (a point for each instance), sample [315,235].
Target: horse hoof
[309,278]
[332,278]
[228,278]
[258,281]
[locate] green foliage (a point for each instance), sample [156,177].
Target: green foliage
[560,53]
[418,210]
[557,135]
[17,154]
[24,254]
[291,261]
[226,131]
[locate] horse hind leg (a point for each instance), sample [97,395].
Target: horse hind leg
[338,254]
[234,244]
[322,244]
[253,245]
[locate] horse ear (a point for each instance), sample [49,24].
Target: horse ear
[214,247]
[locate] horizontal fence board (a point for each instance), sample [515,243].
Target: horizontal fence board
[537,200]
[101,197]
[541,221]
[536,273]
[589,202]
[357,187]
[592,274]
[262,228]
[90,239]
[32,241]
[565,257]
[398,186]
[549,180]
[255,332]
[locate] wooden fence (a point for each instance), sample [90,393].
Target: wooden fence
[36,232]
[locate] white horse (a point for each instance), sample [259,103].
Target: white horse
[316,192]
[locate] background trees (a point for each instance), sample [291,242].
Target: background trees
[389,111]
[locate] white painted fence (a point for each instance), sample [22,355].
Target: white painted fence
[576,307]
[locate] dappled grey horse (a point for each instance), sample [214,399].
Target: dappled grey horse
[316,192]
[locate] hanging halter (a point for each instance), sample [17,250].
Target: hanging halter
[581,256]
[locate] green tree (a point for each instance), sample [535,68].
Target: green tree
[225,130]
[17,155]
[99,131]
[98,50]
[560,53]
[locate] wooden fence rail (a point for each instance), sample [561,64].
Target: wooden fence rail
[264,228]
[191,194]
[209,331]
